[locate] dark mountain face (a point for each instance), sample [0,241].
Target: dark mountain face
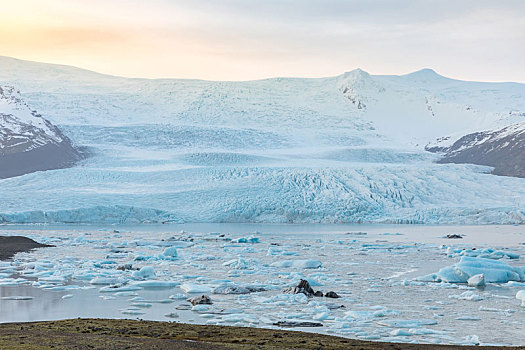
[28,142]
[502,149]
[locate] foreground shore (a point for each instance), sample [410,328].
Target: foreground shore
[130,334]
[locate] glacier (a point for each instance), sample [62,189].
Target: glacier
[344,149]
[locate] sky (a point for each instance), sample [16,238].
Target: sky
[252,39]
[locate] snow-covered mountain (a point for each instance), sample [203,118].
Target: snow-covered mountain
[502,149]
[28,142]
[349,148]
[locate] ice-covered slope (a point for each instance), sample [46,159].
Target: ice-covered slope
[28,142]
[340,149]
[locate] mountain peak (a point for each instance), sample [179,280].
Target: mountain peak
[358,72]
[425,73]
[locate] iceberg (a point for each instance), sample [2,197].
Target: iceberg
[494,271]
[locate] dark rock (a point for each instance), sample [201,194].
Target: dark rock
[334,306]
[318,294]
[203,299]
[125,267]
[297,324]
[332,295]
[302,287]
[230,290]
[454,236]
[255,289]
[234,289]
[183,307]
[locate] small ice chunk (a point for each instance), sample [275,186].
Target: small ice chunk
[178,296]
[521,296]
[472,340]
[118,288]
[400,332]
[302,264]
[195,288]
[468,318]
[141,305]
[126,294]
[249,239]
[200,308]
[477,281]
[145,272]
[170,252]
[154,284]
[101,280]
[131,312]
[468,295]
[321,316]
[397,323]
[18,297]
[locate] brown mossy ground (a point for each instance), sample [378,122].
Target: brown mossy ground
[129,334]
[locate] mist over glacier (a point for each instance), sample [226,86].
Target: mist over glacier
[349,148]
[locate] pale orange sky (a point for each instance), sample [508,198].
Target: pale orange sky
[244,39]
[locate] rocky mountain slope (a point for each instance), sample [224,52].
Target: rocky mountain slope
[502,149]
[28,142]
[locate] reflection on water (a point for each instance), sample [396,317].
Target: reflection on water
[49,305]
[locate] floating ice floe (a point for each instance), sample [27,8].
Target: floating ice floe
[494,271]
[102,280]
[195,288]
[275,250]
[144,273]
[477,281]
[468,318]
[241,264]
[119,288]
[468,295]
[396,323]
[301,264]
[200,308]
[283,299]
[131,312]
[486,253]
[154,284]
[240,318]
[11,282]
[249,239]
[18,297]
[169,253]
